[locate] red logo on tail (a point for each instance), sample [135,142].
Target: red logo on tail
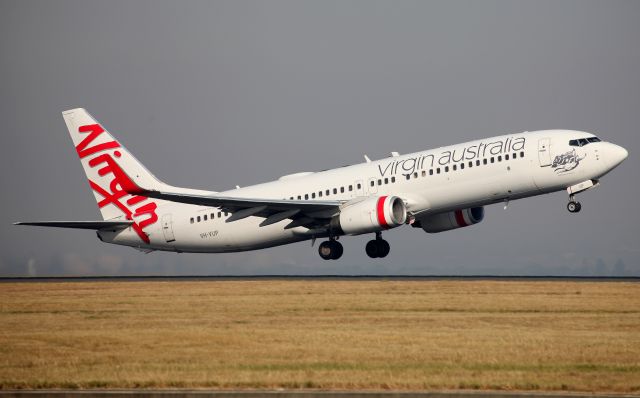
[120,184]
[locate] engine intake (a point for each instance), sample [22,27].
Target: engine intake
[372,215]
[450,220]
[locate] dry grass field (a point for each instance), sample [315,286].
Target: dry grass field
[579,336]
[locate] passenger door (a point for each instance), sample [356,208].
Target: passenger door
[544,152]
[167,228]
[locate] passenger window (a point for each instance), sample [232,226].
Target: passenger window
[393,179]
[415,175]
[213,215]
[430,172]
[341,189]
[299,197]
[461,166]
[191,220]
[478,162]
[386,181]
[492,160]
[372,183]
[226,214]
[408,176]
[313,195]
[484,161]
[327,192]
[350,188]
[455,167]
[500,158]
[379,182]
[521,154]
[438,170]
[446,169]
[205,217]
[359,186]
[470,164]
[335,191]
[198,218]
[506,157]
[219,214]
[291,198]
[424,173]
[306,196]
[319,194]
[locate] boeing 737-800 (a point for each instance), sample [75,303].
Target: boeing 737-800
[435,190]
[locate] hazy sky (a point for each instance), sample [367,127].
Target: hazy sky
[217,93]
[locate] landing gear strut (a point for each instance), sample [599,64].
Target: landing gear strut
[378,248]
[330,249]
[573,206]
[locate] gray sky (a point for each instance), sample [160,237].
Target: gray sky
[217,93]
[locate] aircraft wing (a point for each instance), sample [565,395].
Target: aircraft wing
[96,225]
[301,212]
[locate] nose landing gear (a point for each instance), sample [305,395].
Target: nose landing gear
[573,206]
[378,248]
[330,249]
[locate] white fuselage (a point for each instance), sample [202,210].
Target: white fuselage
[471,174]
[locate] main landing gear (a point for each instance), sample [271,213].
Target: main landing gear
[573,206]
[330,249]
[378,248]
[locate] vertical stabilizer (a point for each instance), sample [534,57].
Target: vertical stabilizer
[112,171]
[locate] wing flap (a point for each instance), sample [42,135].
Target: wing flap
[94,225]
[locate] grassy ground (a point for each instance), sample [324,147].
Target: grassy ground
[322,334]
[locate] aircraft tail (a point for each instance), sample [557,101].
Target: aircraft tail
[114,173]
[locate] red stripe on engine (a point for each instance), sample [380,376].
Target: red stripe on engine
[380,211]
[460,219]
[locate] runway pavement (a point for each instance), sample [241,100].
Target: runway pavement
[297,394]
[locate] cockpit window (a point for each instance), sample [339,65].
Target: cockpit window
[583,141]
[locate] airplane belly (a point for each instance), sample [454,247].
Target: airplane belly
[249,235]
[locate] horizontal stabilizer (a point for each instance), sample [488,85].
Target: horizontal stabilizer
[79,224]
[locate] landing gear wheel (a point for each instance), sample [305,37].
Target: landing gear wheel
[325,250]
[330,250]
[377,248]
[574,207]
[372,249]
[384,248]
[338,250]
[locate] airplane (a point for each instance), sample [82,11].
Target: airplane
[435,190]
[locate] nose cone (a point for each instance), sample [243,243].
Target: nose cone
[616,155]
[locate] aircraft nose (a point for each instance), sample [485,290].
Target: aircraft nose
[617,155]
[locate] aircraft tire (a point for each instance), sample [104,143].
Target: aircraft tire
[574,207]
[383,249]
[372,249]
[337,250]
[326,250]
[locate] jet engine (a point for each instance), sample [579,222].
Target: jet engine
[371,215]
[450,220]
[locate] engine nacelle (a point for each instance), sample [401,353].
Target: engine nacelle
[451,220]
[372,215]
